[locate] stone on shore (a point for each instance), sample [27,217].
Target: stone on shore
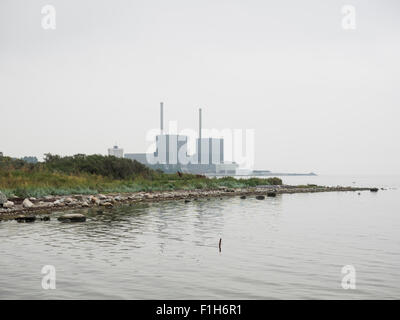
[84,204]
[27,203]
[44,204]
[107,204]
[8,204]
[59,203]
[3,199]
[95,201]
[14,205]
[72,217]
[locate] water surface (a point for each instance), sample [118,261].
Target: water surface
[292,246]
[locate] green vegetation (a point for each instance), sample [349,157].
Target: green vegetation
[307,186]
[81,174]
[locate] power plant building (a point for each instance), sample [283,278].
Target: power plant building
[171,149]
[116,152]
[171,153]
[139,157]
[210,150]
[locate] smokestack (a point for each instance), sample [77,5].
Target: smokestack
[200,123]
[199,146]
[162,117]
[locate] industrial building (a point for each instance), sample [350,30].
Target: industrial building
[209,157]
[210,151]
[116,152]
[169,147]
[171,153]
[139,157]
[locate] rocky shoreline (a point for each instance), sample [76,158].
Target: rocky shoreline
[19,207]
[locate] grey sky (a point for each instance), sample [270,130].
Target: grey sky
[320,98]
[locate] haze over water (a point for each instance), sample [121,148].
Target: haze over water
[291,246]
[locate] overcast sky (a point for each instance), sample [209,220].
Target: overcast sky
[320,98]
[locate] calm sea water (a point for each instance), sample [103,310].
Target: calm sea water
[292,246]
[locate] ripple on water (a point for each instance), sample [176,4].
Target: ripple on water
[293,246]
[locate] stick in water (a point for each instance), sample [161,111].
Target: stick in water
[220,242]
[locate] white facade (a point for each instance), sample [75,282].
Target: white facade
[171,149]
[116,152]
[139,157]
[210,151]
[226,168]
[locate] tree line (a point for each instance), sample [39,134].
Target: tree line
[107,166]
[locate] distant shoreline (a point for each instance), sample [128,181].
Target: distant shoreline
[50,204]
[272,174]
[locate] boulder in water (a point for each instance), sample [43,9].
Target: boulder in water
[72,217]
[25,218]
[260,197]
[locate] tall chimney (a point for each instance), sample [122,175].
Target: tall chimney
[199,146]
[200,123]
[162,117]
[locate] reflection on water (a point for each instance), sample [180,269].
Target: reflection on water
[291,246]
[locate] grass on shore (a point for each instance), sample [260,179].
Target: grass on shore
[40,184]
[50,178]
